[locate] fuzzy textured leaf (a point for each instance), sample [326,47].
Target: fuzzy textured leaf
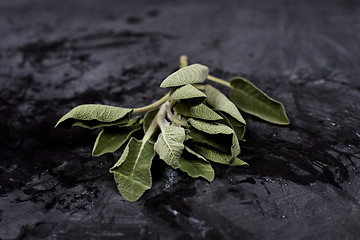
[93,116]
[170,145]
[237,126]
[237,162]
[200,111]
[195,73]
[210,127]
[213,154]
[220,102]
[132,172]
[252,100]
[196,165]
[189,93]
[111,139]
[235,147]
[148,118]
[221,142]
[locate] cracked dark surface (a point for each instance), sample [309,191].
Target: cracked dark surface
[303,180]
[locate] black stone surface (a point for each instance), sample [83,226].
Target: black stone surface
[303,180]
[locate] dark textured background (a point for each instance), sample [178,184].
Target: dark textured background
[303,181]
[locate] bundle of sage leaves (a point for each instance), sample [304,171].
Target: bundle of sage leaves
[189,128]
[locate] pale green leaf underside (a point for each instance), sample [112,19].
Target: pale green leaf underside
[237,162]
[195,165]
[252,100]
[132,172]
[170,145]
[188,92]
[200,111]
[112,138]
[210,127]
[219,101]
[92,116]
[195,73]
[213,155]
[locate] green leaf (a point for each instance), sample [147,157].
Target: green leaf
[252,100]
[170,145]
[235,147]
[210,127]
[200,111]
[237,162]
[132,172]
[217,128]
[111,139]
[196,165]
[213,154]
[220,102]
[148,118]
[221,142]
[237,126]
[93,116]
[197,155]
[189,93]
[195,73]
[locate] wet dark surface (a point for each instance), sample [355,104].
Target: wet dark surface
[303,180]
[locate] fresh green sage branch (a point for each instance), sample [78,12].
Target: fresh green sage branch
[191,127]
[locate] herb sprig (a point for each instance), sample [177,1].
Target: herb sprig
[190,127]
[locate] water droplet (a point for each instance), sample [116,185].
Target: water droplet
[283,216]
[333,124]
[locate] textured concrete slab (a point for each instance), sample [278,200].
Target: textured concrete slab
[303,180]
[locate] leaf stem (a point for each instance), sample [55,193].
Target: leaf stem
[218,80]
[161,121]
[151,106]
[183,61]
[173,118]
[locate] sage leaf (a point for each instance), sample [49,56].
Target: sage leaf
[210,127]
[93,116]
[188,93]
[237,126]
[217,128]
[196,165]
[237,162]
[111,139]
[195,73]
[219,101]
[220,141]
[213,154]
[200,111]
[235,147]
[252,100]
[132,172]
[148,118]
[170,145]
